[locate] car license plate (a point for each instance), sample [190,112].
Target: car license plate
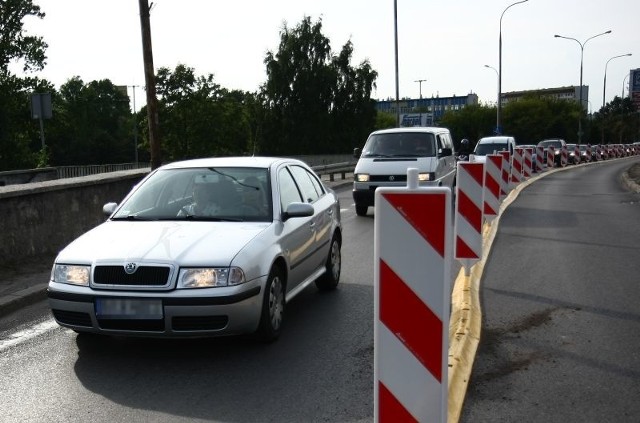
[122,308]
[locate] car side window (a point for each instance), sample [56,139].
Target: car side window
[310,191]
[288,189]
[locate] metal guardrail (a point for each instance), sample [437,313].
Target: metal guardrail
[335,169]
[75,171]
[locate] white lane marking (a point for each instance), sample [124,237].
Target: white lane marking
[27,334]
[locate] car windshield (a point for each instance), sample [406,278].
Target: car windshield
[489,148]
[550,143]
[207,194]
[400,144]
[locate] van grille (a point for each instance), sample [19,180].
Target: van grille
[388,178]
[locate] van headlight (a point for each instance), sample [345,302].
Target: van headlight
[362,177]
[426,176]
[210,277]
[74,274]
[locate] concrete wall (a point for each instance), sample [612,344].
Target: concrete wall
[39,219]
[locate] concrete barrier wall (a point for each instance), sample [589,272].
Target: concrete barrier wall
[39,219]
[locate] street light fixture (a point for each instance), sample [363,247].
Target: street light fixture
[498,129]
[581,44]
[604,84]
[497,113]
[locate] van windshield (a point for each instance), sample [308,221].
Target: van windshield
[489,148]
[400,144]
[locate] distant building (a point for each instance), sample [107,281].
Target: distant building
[425,111]
[571,93]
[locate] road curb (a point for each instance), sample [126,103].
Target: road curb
[12,302]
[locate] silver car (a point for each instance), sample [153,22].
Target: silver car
[203,247]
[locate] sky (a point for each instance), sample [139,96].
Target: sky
[447,43]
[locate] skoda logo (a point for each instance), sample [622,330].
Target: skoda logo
[130,268]
[392,178]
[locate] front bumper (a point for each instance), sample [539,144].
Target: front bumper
[185,313]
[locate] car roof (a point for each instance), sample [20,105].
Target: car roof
[498,139]
[235,161]
[429,129]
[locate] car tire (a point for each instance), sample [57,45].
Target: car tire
[329,280]
[273,302]
[361,210]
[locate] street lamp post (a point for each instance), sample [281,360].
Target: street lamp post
[420,81]
[604,83]
[498,129]
[581,44]
[395,30]
[497,112]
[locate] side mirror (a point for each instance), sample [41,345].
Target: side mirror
[109,208]
[356,153]
[445,152]
[297,210]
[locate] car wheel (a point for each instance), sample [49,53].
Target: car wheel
[329,280]
[361,210]
[272,314]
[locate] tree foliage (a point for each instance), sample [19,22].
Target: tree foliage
[316,101]
[15,45]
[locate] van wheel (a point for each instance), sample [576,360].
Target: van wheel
[361,210]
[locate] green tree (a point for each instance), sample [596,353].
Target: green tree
[92,124]
[17,131]
[317,102]
[199,118]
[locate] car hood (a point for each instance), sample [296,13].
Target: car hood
[180,243]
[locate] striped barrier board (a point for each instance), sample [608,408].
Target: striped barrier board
[412,256]
[576,155]
[527,162]
[516,167]
[551,157]
[506,174]
[540,164]
[492,186]
[588,153]
[469,219]
[564,156]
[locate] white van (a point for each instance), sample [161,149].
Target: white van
[388,154]
[491,145]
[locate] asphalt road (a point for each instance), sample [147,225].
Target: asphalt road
[560,297]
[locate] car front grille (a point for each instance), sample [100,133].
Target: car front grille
[152,276]
[191,323]
[388,178]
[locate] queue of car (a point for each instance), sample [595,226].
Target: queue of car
[219,246]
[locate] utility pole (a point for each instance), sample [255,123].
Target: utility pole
[150,81]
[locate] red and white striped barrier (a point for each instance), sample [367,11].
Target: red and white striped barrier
[564,156]
[492,186]
[551,157]
[589,153]
[516,167]
[506,174]
[540,164]
[411,302]
[598,152]
[527,162]
[469,207]
[576,155]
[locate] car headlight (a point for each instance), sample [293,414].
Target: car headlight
[557,152]
[362,177]
[427,176]
[210,277]
[71,273]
